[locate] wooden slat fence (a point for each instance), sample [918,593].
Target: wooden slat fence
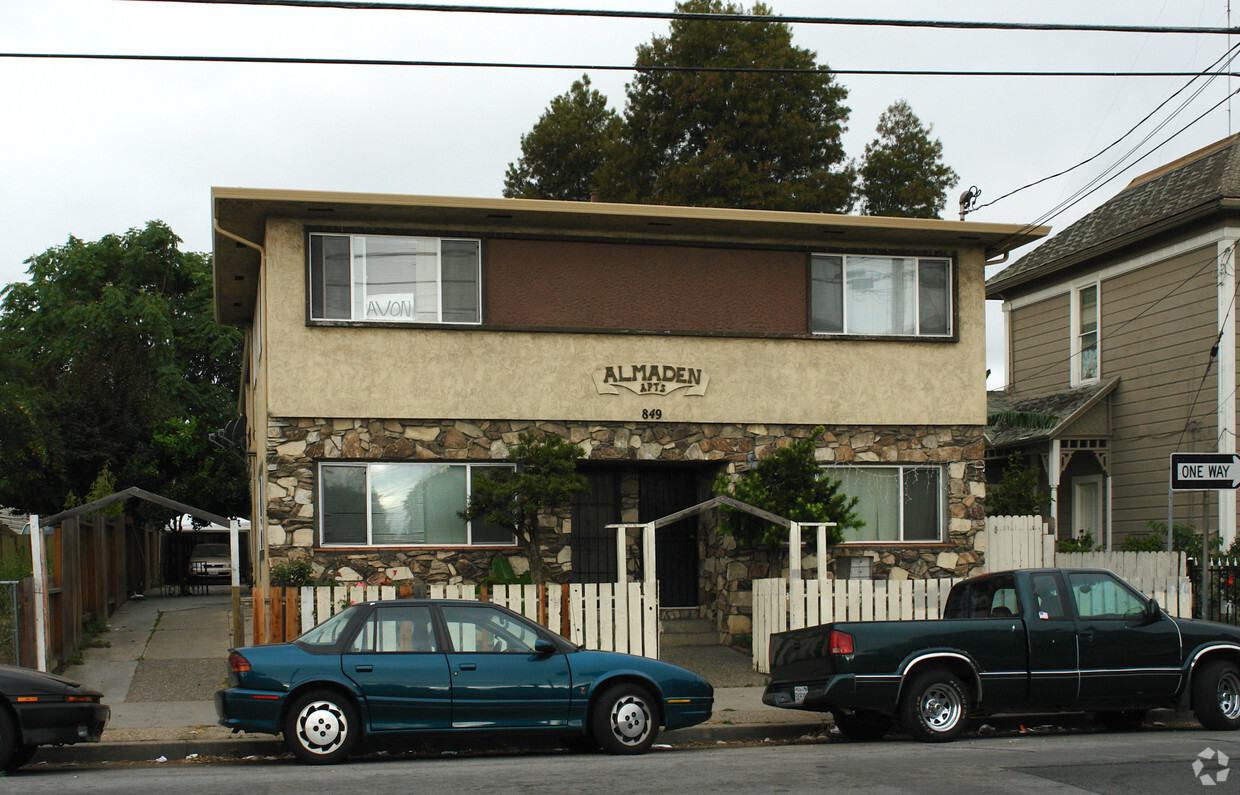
[1016,542]
[1129,565]
[777,607]
[597,615]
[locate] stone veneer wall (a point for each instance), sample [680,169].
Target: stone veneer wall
[295,445]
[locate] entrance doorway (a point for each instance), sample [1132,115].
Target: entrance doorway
[665,490]
[593,544]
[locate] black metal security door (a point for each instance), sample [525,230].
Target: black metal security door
[593,544]
[665,491]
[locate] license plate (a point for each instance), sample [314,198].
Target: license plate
[799,693]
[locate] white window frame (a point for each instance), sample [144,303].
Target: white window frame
[1077,360]
[369,543]
[353,281]
[949,296]
[940,510]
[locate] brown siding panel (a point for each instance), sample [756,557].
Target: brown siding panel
[1040,346]
[561,284]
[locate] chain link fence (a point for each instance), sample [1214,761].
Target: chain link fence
[10,625]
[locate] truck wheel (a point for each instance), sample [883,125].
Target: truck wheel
[1216,695]
[624,720]
[10,739]
[321,728]
[935,707]
[862,725]
[1122,720]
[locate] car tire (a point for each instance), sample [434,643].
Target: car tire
[935,707]
[862,725]
[1216,695]
[10,740]
[1122,720]
[625,720]
[321,728]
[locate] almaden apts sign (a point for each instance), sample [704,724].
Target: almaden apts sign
[650,379]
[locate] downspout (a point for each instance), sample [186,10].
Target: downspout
[257,528]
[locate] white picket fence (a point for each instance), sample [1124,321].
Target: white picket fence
[599,615]
[1016,542]
[1026,542]
[779,606]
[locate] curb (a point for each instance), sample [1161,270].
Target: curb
[234,748]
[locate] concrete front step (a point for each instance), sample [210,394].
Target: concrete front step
[688,632]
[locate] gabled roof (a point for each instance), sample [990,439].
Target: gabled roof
[1175,194]
[1067,407]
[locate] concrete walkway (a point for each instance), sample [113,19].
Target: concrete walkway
[162,659]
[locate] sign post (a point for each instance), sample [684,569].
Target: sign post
[1204,472]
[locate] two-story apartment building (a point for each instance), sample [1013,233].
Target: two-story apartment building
[397,345]
[1123,326]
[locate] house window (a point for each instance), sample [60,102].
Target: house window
[388,504]
[390,279]
[897,503]
[1085,328]
[906,296]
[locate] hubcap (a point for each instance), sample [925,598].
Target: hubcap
[321,727]
[940,708]
[1229,695]
[630,720]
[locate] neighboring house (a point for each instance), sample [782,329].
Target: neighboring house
[397,345]
[1113,324]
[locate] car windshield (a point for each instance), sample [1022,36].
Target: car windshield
[327,633]
[211,551]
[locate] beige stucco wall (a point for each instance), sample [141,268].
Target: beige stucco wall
[381,372]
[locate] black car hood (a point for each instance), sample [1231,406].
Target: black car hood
[15,681]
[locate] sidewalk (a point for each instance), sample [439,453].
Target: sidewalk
[166,656]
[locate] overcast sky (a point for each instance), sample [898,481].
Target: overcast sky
[91,147]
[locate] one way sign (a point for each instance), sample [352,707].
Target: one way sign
[1204,471]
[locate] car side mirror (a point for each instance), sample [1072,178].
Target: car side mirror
[544,646]
[1152,610]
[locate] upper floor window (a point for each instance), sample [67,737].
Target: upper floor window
[897,503]
[855,294]
[398,504]
[1085,328]
[392,279]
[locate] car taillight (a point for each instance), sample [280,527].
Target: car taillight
[238,664]
[841,642]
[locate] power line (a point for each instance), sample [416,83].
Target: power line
[357,5]
[263,59]
[1227,56]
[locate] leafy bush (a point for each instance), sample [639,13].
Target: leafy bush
[1184,538]
[790,483]
[1019,492]
[1082,543]
[292,573]
[502,574]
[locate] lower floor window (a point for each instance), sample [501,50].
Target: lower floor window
[897,503]
[378,504]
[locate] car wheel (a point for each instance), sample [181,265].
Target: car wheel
[9,740]
[624,720]
[935,707]
[1122,720]
[862,725]
[1216,695]
[321,728]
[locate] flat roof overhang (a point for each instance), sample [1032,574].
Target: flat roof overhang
[240,214]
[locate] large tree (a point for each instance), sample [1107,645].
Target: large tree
[902,172]
[561,155]
[121,366]
[699,137]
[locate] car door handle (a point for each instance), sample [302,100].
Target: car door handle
[1087,634]
[469,666]
[364,669]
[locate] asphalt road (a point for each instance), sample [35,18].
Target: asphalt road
[1159,760]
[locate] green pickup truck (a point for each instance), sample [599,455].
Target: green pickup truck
[1033,640]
